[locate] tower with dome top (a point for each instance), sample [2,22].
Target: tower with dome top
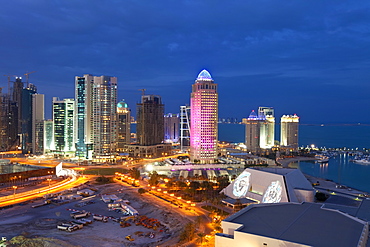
[203,120]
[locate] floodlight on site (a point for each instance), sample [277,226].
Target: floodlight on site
[149,167]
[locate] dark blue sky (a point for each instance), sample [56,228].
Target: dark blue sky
[311,58]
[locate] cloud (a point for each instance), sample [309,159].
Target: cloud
[173,46]
[163,45]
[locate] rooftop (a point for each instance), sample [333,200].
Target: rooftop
[305,223]
[204,75]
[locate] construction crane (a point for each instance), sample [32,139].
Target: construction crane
[9,81]
[142,91]
[27,76]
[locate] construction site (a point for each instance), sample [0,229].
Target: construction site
[92,221]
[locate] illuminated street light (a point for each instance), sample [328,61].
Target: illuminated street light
[14,187]
[49,183]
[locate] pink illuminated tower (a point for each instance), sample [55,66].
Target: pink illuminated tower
[203,120]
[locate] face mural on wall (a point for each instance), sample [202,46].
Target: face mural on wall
[273,193]
[241,184]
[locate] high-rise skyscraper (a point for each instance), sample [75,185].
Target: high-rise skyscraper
[17,99]
[64,124]
[204,115]
[27,104]
[11,104]
[83,97]
[256,132]
[184,128]
[269,138]
[150,120]
[38,124]
[96,117]
[171,128]
[289,131]
[104,115]
[48,135]
[4,106]
[124,125]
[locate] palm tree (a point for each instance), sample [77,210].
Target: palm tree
[201,237]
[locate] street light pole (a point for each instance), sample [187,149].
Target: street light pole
[14,187]
[49,183]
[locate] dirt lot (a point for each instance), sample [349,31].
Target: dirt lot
[41,222]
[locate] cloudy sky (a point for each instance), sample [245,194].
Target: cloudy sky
[311,58]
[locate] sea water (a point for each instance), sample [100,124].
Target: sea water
[339,168]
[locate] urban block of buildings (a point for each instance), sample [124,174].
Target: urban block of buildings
[260,131]
[94,126]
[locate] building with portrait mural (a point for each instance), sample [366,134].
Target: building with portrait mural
[269,185]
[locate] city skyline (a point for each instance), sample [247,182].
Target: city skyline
[296,57]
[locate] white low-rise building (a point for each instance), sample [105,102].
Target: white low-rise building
[270,185]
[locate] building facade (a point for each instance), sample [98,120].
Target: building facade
[289,131]
[269,138]
[184,128]
[7,119]
[83,97]
[26,137]
[151,151]
[171,128]
[150,120]
[64,124]
[124,125]
[203,118]
[38,124]
[104,115]
[256,130]
[48,135]
[17,99]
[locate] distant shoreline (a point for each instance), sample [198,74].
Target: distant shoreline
[285,162]
[317,124]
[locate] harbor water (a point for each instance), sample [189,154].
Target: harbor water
[339,168]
